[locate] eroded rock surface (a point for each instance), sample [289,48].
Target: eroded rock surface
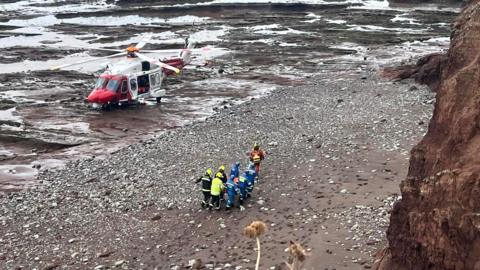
[436,224]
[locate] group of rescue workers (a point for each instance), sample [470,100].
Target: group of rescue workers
[214,187]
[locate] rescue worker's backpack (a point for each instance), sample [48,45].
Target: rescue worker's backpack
[256,158]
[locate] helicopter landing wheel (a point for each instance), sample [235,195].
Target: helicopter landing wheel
[159,99]
[107,107]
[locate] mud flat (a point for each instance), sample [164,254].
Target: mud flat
[337,149]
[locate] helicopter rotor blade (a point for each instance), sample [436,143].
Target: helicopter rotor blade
[144,41]
[193,50]
[157,62]
[86,61]
[140,45]
[84,48]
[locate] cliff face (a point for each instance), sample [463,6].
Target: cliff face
[436,224]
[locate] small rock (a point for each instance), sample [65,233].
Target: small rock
[413,88]
[156,217]
[195,264]
[51,266]
[119,263]
[104,254]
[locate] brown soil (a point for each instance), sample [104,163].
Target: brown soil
[436,224]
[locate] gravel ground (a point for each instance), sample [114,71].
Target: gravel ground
[337,148]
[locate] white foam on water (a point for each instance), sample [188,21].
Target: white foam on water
[264,27]
[385,5]
[335,21]
[186,19]
[433,7]
[375,28]
[281,32]
[386,56]
[42,21]
[286,44]
[262,40]
[446,25]
[35,36]
[350,46]
[314,17]
[50,20]
[169,37]
[305,2]
[6,153]
[370,4]
[29,7]
[403,18]
[9,115]
[210,35]
[114,20]
[134,20]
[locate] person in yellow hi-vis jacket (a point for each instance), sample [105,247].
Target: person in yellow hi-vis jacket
[216,191]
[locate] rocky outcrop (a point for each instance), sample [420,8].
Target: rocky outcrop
[436,224]
[427,70]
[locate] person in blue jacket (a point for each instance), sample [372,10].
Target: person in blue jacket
[235,170]
[250,175]
[242,186]
[232,191]
[251,167]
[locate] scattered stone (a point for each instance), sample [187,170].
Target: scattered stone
[119,263]
[195,264]
[156,217]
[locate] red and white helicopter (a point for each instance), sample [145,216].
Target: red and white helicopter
[136,77]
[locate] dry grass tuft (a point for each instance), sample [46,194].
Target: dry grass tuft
[250,232]
[297,252]
[298,256]
[255,229]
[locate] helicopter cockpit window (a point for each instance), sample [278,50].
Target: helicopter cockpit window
[113,85]
[124,87]
[133,84]
[100,83]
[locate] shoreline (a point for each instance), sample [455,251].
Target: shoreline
[357,132]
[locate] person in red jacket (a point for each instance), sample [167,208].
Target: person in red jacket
[256,156]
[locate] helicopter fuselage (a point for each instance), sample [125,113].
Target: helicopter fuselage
[130,80]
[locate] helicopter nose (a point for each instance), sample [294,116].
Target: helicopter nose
[92,97]
[100,96]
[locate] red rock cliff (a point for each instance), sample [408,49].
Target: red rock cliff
[436,224]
